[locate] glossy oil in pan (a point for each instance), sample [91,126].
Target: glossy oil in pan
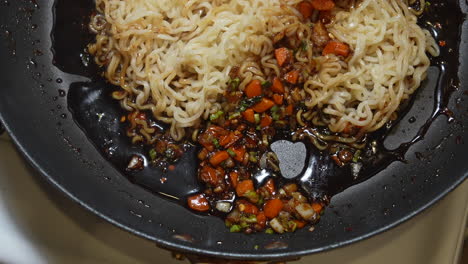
[44,77]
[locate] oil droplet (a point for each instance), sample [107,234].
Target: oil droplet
[62,93]
[63,116]
[412,120]
[55,98]
[135,214]
[59,80]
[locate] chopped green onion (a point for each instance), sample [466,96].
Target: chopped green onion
[269,231]
[235,229]
[257,118]
[292,225]
[216,142]
[253,156]
[153,154]
[235,115]
[280,123]
[252,196]
[274,109]
[227,223]
[244,224]
[258,127]
[260,200]
[249,219]
[357,156]
[231,152]
[256,247]
[304,45]
[275,116]
[216,115]
[234,83]
[266,84]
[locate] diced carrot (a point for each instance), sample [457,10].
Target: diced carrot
[337,48]
[198,203]
[317,207]
[240,153]
[270,186]
[248,208]
[282,56]
[171,167]
[272,208]
[229,139]
[254,88]
[216,130]
[300,224]
[323,5]
[266,121]
[249,115]
[209,175]
[289,110]
[306,9]
[244,186]
[263,106]
[219,157]
[261,219]
[277,86]
[348,128]
[292,77]
[278,99]
[234,177]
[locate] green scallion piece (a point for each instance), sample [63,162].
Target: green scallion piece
[235,229]
[257,118]
[153,154]
[292,225]
[252,196]
[269,231]
[275,116]
[216,142]
[235,115]
[304,45]
[357,156]
[249,219]
[231,153]
[253,156]
[266,84]
[216,115]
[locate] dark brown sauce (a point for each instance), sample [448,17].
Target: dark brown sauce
[99,115]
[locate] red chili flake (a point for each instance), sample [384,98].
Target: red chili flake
[442,43]
[171,167]
[163,180]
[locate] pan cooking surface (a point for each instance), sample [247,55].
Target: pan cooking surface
[57,108]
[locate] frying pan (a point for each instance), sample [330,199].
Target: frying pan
[57,110]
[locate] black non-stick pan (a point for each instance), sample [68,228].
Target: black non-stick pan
[57,109]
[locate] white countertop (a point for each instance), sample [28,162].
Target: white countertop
[36,229]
